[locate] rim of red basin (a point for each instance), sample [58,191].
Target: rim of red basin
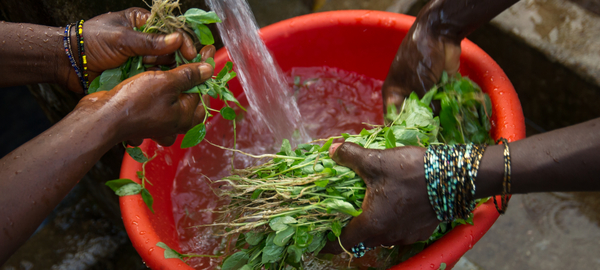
[509,123]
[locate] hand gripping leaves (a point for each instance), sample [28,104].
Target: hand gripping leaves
[162,20]
[290,206]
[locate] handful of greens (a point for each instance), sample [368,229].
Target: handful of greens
[162,20]
[292,204]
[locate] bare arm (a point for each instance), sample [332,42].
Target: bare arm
[560,160]
[35,177]
[432,45]
[35,53]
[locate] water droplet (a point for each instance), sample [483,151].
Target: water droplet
[142,232]
[150,250]
[134,223]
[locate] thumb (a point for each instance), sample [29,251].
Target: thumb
[187,76]
[360,160]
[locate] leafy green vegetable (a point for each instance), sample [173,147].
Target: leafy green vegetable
[302,198]
[147,197]
[118,183]
[194,136]
[129,189]
[137,154]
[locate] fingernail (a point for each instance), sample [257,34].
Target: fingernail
[171,38]
[332,148]
[206,71]
[150,59]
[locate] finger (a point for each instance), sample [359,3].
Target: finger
[166,141]
[165,60]
[135,142]
[362,161]
[189,106]
[188,50]
[139,43]
[452,58]
[136,16]
[208,51]
[187,76]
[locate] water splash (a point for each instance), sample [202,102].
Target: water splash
[263,81]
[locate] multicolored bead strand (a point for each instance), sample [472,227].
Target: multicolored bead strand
[68,50]
[450,173]
[82,56]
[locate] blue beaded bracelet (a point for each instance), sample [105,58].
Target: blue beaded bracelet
[68,51]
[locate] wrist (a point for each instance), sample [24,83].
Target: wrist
[65,74]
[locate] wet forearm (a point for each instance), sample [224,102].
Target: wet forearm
[561,160]
[32,54]
[35,177]
[456,19]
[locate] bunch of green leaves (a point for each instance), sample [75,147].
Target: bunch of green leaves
[466,111]
[126,187]
[163,21]
[291,205]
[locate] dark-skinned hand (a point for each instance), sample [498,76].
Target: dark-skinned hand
[396,209]
[152,105]
[422,57]
[110,40]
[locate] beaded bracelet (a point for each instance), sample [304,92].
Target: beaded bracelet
[82,57]
[506,181]
[450,172]
[68,50]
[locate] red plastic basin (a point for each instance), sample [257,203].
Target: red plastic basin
[360,41]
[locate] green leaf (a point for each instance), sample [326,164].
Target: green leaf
[442,266]
[322,183]
[295,253]
[228,113]
[246,267]
[227,95]
[336,228]
[303,238]
[326,145]
[203,34]
[94,85]
[271,252]
[136,66]
[235,261]
[390,140]
[341,206]
[241,241]
[194,90]
[328,163]
[211,61]
[137,154]
[256,194]
[129,189]
[316,241]
[147,197]
[224,71]
[109,79]
[169,252]
[286,147]
[282,237]
[280,223]
[140,174]
[254,238]
[194,136]
[118,183]
[199,16]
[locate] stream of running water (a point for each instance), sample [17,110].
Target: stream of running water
[263,81]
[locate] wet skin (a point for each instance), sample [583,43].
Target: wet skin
[432,45]
[396,209]
[35,177]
